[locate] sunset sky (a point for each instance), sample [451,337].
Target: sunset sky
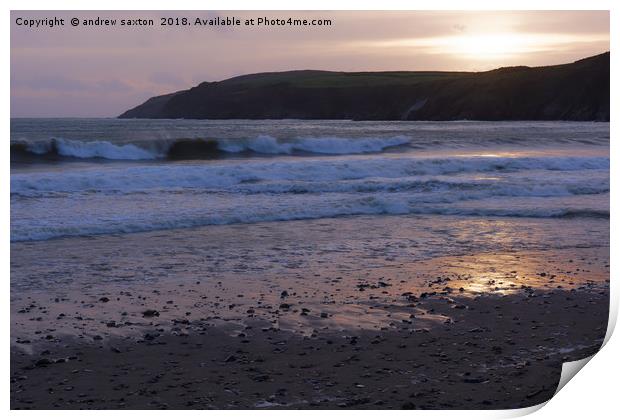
[101,72]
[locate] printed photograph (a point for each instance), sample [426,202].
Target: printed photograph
[306,210]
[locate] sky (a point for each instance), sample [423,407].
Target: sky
[66,71]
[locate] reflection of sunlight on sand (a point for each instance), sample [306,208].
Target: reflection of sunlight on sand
[493,155]
[491,273]
[363,274]
[509,273]
[489,284]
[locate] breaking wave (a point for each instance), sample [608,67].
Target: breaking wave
[187,149]
[115,177]
[46,231]
[103,199]
[320,175]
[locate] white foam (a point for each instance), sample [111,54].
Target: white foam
[74,216]
[102,149]
[263,144]
[141,197]
[334,173]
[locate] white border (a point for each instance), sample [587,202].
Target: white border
[311,5]
[593,394]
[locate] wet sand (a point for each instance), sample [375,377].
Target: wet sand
[307,314]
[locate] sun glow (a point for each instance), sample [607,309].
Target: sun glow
[492,45]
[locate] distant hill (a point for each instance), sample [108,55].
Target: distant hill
[576,91]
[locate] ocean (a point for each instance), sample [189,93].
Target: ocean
[306,249]
[81,177]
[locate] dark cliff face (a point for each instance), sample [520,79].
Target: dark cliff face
[576,91]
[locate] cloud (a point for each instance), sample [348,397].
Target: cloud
[113,85]
[47,82]
[166,79]
[61,83]
[103,70]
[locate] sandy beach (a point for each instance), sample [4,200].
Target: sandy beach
[307,209]
[307,314]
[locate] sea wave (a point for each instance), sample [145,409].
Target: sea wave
[365,206]
[109,199]
[114,177]
[196,148]
[326,175]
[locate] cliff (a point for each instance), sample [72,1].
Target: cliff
[576,91]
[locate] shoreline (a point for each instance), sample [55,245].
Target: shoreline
[307,314]
[499,352]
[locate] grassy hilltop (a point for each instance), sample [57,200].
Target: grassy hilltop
[575,91]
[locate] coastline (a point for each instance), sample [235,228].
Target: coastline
[460,365]
[256,316]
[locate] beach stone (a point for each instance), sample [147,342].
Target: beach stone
[474,380]
[43,362]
